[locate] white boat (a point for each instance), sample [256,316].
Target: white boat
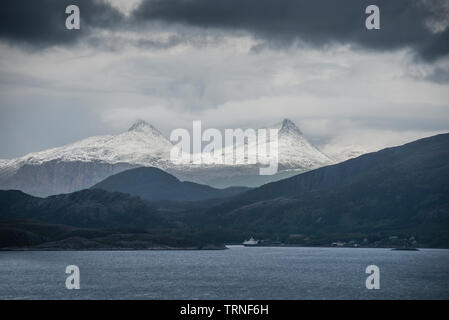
[251,242]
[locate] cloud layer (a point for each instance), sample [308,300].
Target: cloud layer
[228,63]
[417,24]
[42,23]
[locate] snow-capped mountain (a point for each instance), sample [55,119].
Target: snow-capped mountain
[84,163]
[81,164]
[295,152]
[295,155]
[142,145]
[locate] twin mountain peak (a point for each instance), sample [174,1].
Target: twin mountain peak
[88,161]
[284,126]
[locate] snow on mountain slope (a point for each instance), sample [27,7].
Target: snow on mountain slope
[346,153]
[142,144]
[295,152]
[340,151]
[84,163]
[296,155]
[3,163]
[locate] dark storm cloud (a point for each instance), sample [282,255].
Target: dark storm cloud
[317,22]
[42,23]
[404,23]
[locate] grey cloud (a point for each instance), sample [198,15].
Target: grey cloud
[404,23]
[42,23]
[439,75]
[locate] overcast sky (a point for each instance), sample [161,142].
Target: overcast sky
[229,63]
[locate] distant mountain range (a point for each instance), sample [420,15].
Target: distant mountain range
[82,164]
[153,184]
[396,193]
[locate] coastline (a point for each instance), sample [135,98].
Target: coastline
[156,248]
[205,248]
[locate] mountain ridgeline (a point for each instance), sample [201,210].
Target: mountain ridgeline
[153,184]
[400,192]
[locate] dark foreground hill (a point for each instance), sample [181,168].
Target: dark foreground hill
[38,235]
[84,209]
[88,219]
[153,184]
[400,192]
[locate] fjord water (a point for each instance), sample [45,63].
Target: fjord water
[237,273]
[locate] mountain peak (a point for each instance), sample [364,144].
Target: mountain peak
[287,126]
[140,125]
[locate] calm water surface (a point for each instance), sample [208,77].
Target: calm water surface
[238,273]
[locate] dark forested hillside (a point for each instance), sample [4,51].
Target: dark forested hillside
[86,208]
[401,190]
[89,219]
